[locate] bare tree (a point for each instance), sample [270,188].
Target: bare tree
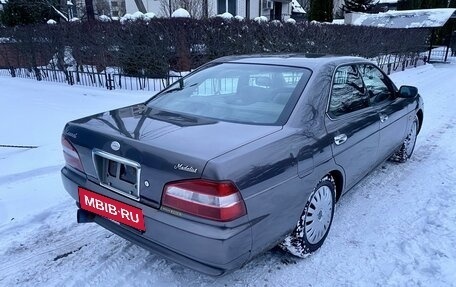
[90,10]
[102,7]
[197,8]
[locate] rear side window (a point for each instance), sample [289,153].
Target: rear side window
[348,93]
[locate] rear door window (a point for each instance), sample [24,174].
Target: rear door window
[348,93]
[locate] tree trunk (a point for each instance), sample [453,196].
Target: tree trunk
[89,9]
[140,5]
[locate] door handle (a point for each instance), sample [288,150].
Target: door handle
[383,118]
[340,139]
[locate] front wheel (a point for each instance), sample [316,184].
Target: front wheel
[408,146]
[315,221]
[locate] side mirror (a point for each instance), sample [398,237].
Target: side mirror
[408,92]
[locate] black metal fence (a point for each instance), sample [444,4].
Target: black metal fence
[110,81]
[115,81]
[439,54]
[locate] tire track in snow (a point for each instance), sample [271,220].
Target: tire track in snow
[11,178]
[110,260]
[389,191]
[427,249]
[50,234]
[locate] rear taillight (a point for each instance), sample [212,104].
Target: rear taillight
[214,200]
[71,155]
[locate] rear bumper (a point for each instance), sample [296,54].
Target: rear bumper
[212,250]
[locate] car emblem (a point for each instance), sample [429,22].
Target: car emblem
[115,145]
[186,168]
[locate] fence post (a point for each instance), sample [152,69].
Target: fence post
[13,72]
[109,82]
[37,73]
[71,78]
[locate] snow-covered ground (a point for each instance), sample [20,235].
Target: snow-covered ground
[396,228]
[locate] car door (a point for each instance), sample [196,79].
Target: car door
[392,110]
[352,125]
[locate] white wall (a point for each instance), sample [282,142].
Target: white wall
[151,6]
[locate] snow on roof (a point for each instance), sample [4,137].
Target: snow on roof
[180,13]
[424,18]
[296,7]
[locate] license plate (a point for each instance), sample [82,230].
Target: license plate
[111,209]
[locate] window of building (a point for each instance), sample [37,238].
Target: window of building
[226,6]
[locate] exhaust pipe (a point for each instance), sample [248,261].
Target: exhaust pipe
[84,216]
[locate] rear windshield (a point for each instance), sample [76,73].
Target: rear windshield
[245,93]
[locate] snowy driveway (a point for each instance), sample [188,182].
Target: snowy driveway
[396,228]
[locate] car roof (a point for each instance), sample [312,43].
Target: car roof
[311,61]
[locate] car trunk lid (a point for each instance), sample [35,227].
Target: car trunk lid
[167,147]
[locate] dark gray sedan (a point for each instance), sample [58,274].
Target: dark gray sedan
[244,154]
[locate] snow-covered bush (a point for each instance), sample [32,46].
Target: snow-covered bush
[180,13]
[148,16]
[125,18]
[290,21]
[239,18]
[75,19]
[260,19]
[104,18]
[226,15]
[137,16]
[276,22]
[51,22]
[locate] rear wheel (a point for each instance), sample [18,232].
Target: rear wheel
[408,146]
[314,224]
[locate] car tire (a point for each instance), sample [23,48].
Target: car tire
[408,146]
[314,224]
